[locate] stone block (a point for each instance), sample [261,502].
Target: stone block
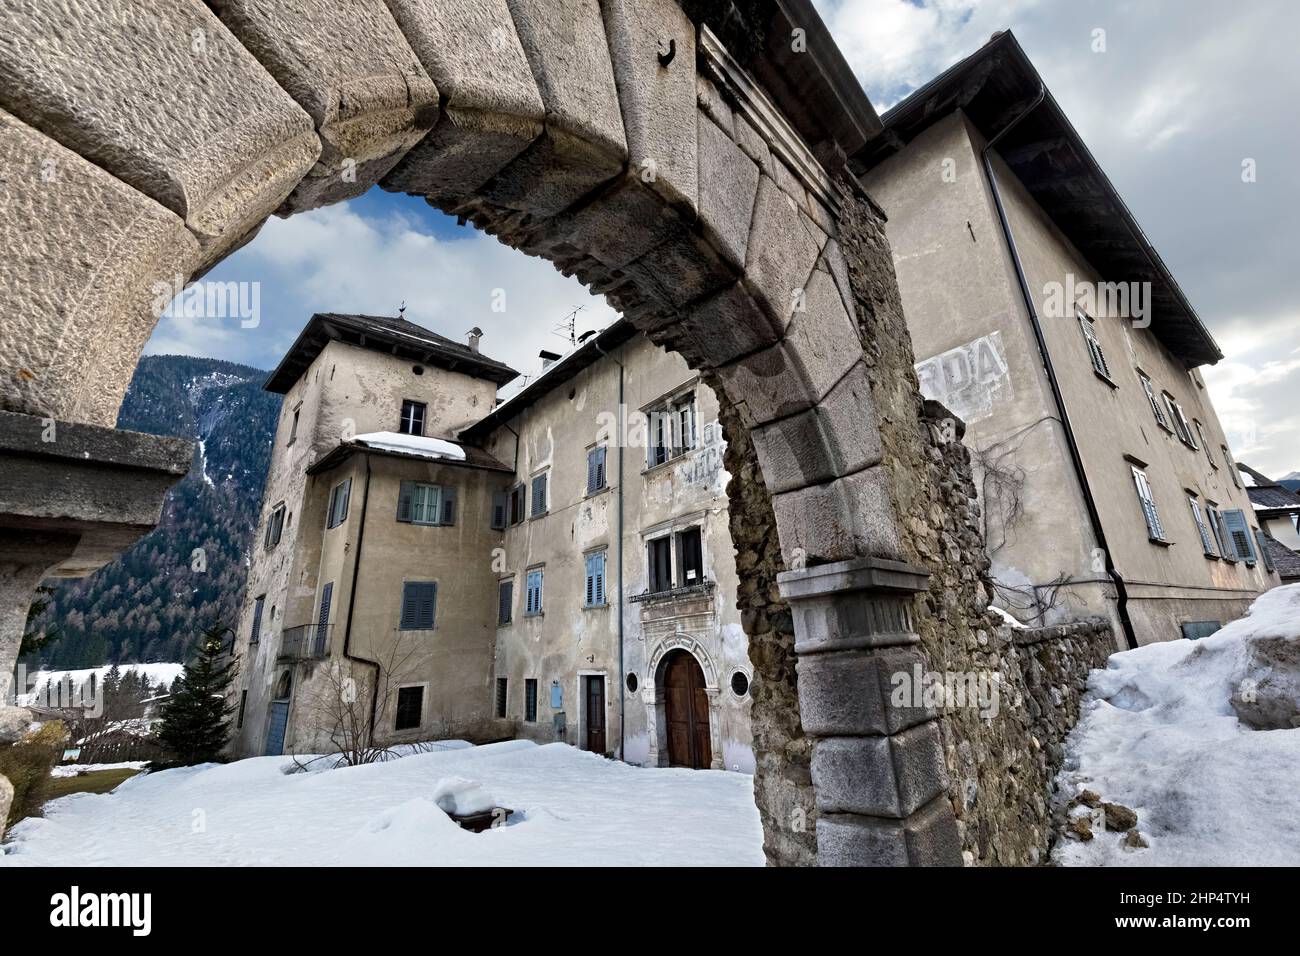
[681,272]
[728,185]
[714,106]
[849,517]
[356,76]
[727,326]
[780,255]
[80,256]
[174,106]
[927,838]
[879,776]
[658,101]
[489,115]
[838,436]
[853,692]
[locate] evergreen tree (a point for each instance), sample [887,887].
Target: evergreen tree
[34,639]
[196,720]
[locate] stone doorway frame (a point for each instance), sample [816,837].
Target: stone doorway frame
[652,695]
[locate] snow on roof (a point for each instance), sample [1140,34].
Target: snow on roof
[1248,479]
[157,673]
[412,445]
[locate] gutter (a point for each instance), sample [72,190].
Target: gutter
[622,684]
[1076,458]
[352,603]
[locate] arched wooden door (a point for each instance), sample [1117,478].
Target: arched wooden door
[686,712]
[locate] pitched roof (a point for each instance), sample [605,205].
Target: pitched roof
[1285,561]
[471,457]
[386,334]
[993,86]
[1267,494]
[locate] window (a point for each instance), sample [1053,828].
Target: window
[338,512]
[1207,545]
[518,494]
[1094,344]
[502,687]
[533,593]
[672,430]
[530,700]
[659,561]
[293,428]
[505,601]
[594,593]
[274,527]
[410,704]
[740,683]
[256,634]
[1195,630]
[690,559]
[243,702]
[595,470]
[539,494]
[1222,544]
[412,422]
[500,510]
[1263,550]
[1239,532]
[1185,427]
[1209,456]
[1155,531]
[1232,468]
[1155,404]
[420,503]
[419,602]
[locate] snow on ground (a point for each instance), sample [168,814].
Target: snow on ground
[572,808]
[162,674]
[77,769]
[1159,735]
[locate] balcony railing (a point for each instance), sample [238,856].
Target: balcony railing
[306,642]
[669,594]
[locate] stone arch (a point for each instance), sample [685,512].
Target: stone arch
[652,695]
[615,138]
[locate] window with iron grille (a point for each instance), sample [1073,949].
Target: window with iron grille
[1150,391]
[410,706]
[502,687]
[256,634]
[595,470]
[533,593]
[539,494]
[412,422]
[594,590]
[530,700]
[1155,531]
[505,601]
[338,511]
[1207,544]
[1094,344]
[419,605]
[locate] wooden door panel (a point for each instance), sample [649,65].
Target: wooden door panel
[686,712]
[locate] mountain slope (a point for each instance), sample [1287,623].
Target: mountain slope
[150,604]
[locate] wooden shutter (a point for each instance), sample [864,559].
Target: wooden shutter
[1239,533]
[1263,550]
[505,601]
[345,494]
[404,496]
[257,620]
[448,505]
[500,509]
[419,603]
[590,596]
[595,469]
[326,598]
[539,495]
[502,687]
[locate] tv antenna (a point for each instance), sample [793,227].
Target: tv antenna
[568,328]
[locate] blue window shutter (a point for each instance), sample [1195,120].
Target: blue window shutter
[590,597]
[448,506]
[404,501]
[1239,532]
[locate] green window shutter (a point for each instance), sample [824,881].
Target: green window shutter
[1239,532]
[404,496]
[419,603]
[448,506]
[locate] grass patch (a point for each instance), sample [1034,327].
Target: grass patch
[95,781]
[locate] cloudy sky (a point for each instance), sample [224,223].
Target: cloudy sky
[1184,92]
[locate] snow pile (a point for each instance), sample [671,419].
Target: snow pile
[460,797]
[412,445]
[572,808]
[77,769]
[1008,620]
[158,674]
[1161,733]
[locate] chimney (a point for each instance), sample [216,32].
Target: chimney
[474,335]
[548,359]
